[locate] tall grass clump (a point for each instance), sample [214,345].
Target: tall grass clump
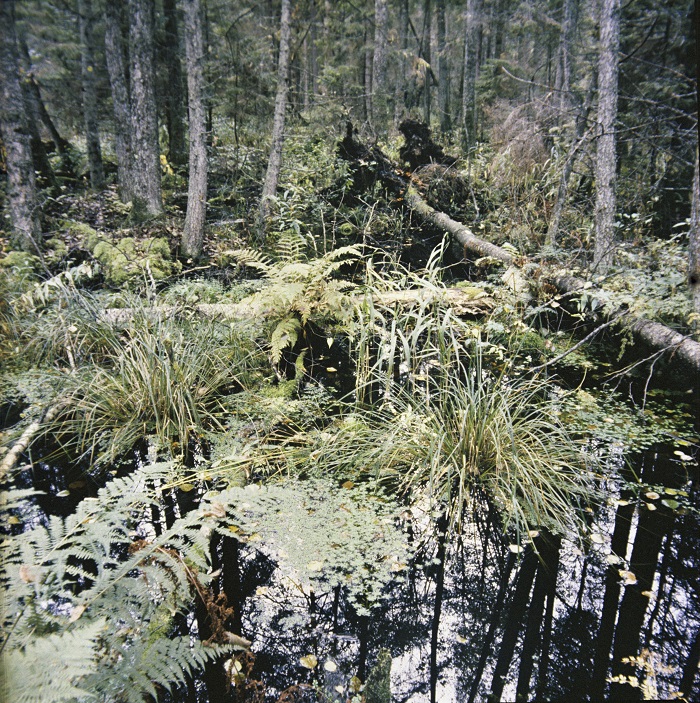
[161,379]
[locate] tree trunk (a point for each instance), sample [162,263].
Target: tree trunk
[443,70]
[33,89]
[562,82]
[174,99]
[426,50]
[87,75]
[378,99]
[22,203]
[193,234]
[401,91]
[274,163]
[471,42]
[694,243]
[121,104]
[146,197]
[606,154]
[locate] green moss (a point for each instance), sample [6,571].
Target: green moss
[20,263]
[129,260]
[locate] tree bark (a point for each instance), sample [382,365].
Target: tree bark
[443,70]
[121,103]
[562,82]
[146,195]
[694,243]
[193,234]
[174,99]
[274,163]
[378,97]
[606,153]
[22,202]
[87,75]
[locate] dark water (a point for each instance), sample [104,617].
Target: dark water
[478,621]
[550,624]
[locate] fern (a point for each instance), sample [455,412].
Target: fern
[96,594]
[284,336]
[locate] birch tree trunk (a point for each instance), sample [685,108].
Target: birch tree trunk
[121,104]
[606,153]
[146,195]
[22,203]
[443,70]
[275,161]
[174,99]
[87,76]
[378,101]
[193,234]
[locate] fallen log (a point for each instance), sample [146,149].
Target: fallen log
[659,337]
[464,301]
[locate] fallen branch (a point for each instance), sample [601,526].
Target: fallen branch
[580,343]
[21,445]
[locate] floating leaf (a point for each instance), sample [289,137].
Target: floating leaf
[13,520]
[330,665]
[622,502]
[76,485]
[670,503]
[613,559]
[652,495]
[331,369]
[628,577]
[597,538]
[309,661]
[683,456]
[650,506]
[315,566]
[329,341]
[62,494]
[186,487]
[670,491]
[461,640]
[339,689]
[348,484]
[515,548]
[355,684]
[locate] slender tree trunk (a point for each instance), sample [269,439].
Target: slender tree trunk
[367,74]
[274,163]
[562,83]
[174,99]
[34,91]
[146,196]
[427,71]
[694,243]
[606,155]
[443,70]
[442,536]
[116,67]
[378,100]
[471,46]
[193,234]
[581,136]
[87,75]
[22,203]
[401,92]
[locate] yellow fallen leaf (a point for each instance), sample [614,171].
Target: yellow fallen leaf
[309,661]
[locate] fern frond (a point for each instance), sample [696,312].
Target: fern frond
[284,336]
[251,258]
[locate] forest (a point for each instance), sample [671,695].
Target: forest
[350,351]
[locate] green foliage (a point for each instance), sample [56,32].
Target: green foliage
[321,536]
[297,293]
[88,599]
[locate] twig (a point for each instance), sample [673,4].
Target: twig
[588,337]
